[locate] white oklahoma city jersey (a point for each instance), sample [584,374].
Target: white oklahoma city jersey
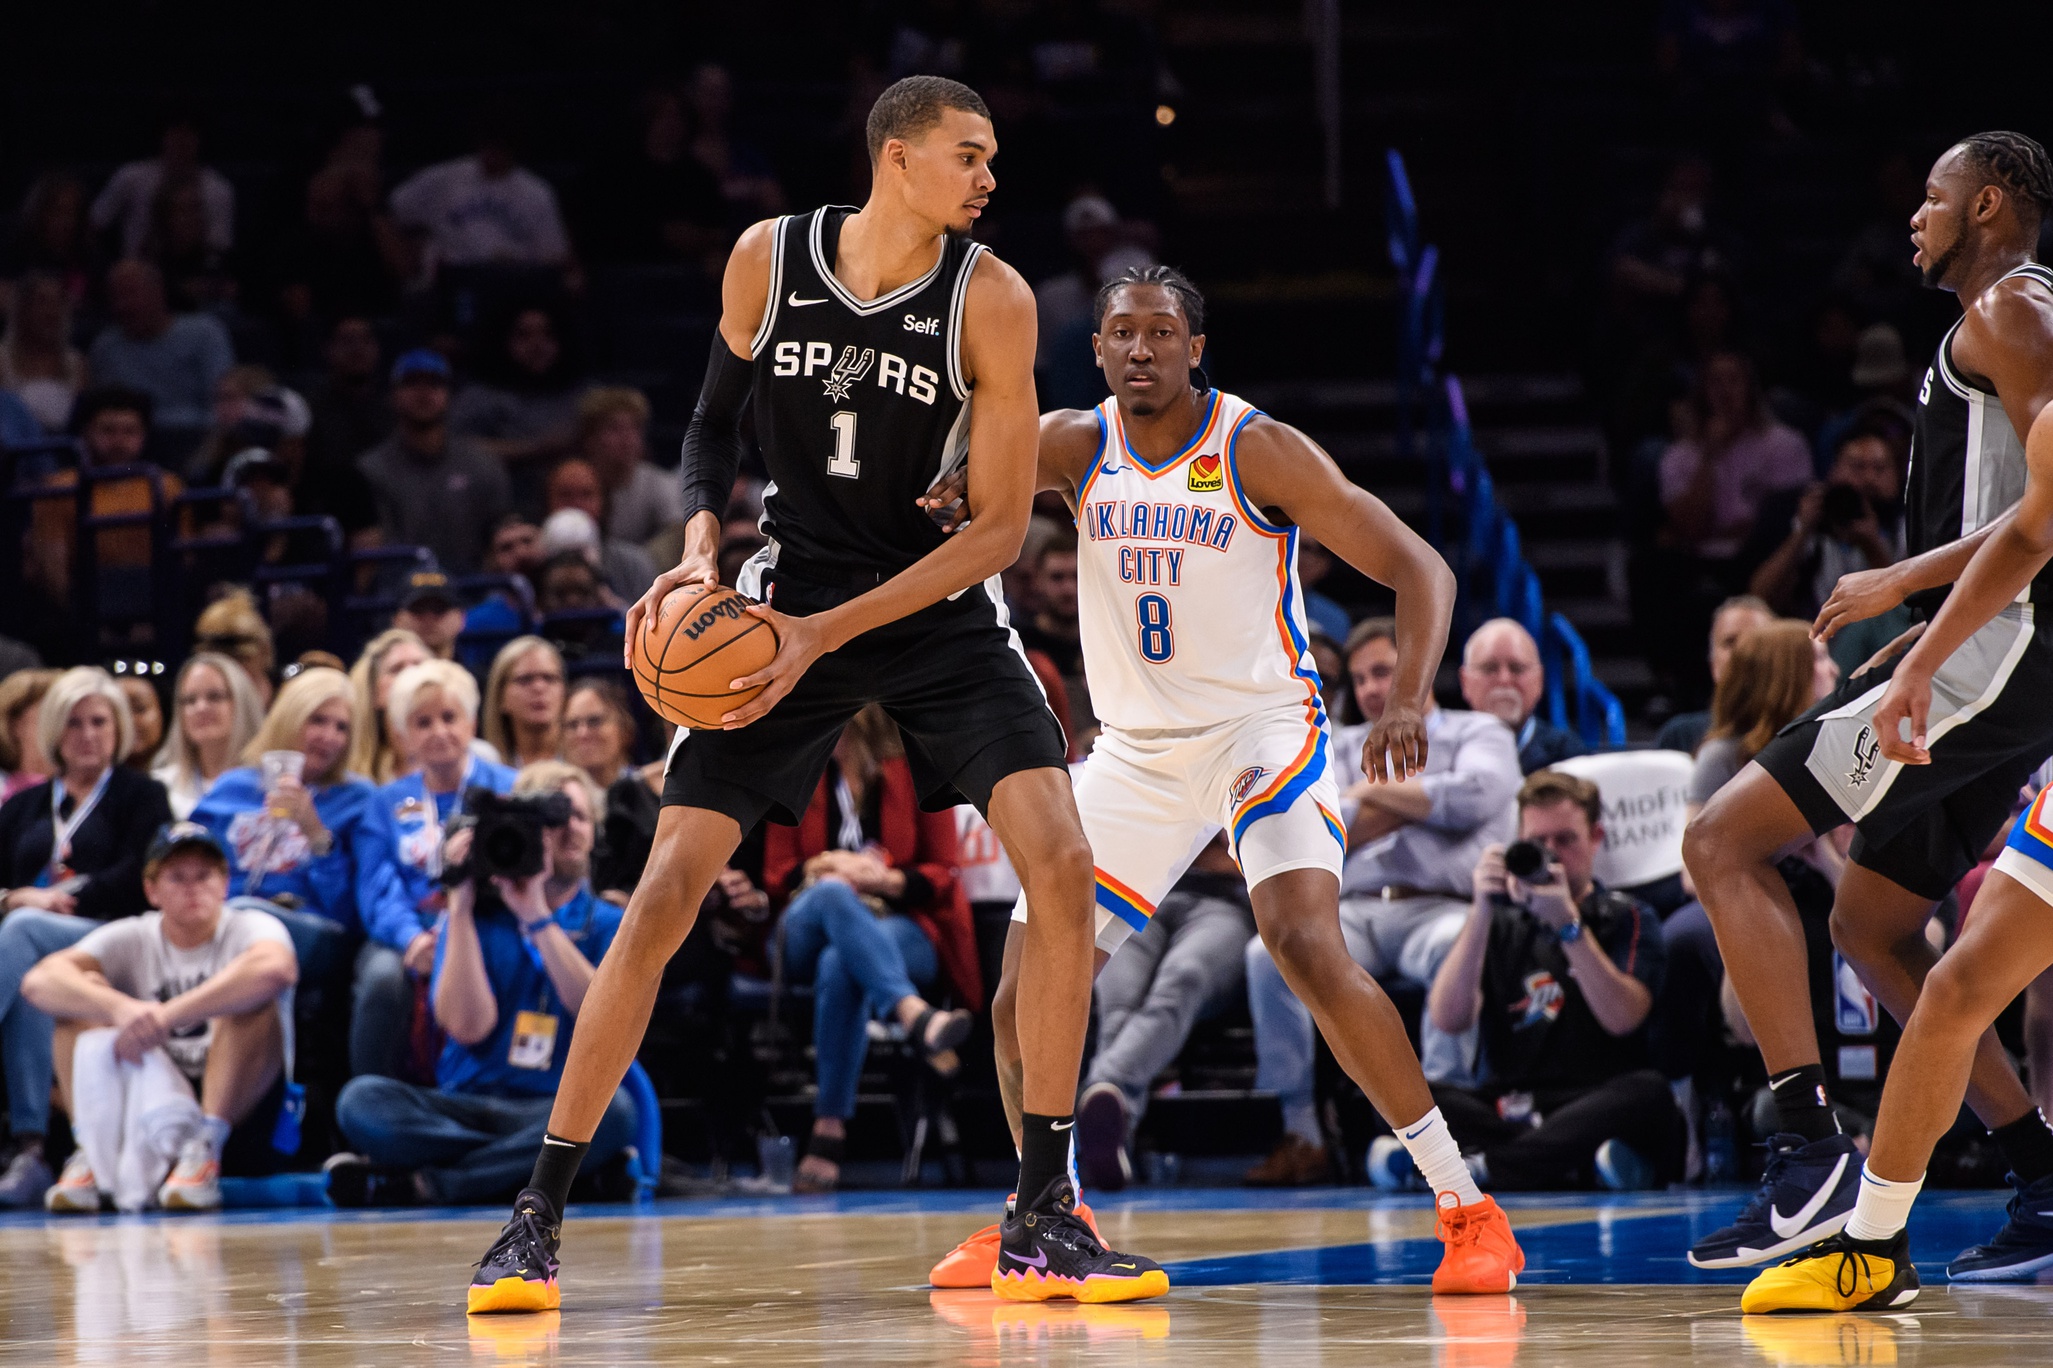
[1194,644]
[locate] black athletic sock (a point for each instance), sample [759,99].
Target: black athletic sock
[555,1167]
[2027,1145]
[1043,1154]
[1801,1106]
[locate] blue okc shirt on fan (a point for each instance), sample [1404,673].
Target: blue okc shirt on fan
[269,856]
[400,867]
[520,984]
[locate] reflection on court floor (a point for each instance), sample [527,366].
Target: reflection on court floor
[1280,1280]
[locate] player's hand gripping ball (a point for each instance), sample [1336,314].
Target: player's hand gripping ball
[700,639]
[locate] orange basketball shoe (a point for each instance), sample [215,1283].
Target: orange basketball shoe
[1482,1254]
[971,1263]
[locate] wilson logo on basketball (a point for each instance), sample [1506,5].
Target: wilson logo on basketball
[1207,475]
[729,607]
[1244,782]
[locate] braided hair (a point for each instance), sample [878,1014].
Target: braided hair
[2020,166]
[1170,279]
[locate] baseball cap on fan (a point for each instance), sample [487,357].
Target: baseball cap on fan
[422,363]
[176,837]
[427,591]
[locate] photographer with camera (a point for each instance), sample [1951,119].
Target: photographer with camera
[1804,540]
[1561,973]
[523,937]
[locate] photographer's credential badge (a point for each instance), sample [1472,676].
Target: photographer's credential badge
[534,1041]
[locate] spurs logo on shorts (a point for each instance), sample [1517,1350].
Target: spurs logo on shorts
[1244,782]
[1867,750]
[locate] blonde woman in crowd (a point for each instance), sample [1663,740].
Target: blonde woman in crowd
[371,752]
[22,762]
[214,713]
[71,857]
[524,702]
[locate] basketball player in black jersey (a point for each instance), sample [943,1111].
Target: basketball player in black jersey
[1919,827]
[862,336]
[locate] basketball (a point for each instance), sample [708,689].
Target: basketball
[696,643]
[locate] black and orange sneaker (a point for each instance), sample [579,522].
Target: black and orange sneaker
[1047,1251]
[518,1273]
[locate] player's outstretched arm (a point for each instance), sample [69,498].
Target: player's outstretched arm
[1279,467]
[1069,438]
[998,330]
[712,441]
[2004,565]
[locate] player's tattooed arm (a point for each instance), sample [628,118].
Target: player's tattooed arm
[1280,468]
[2000,570]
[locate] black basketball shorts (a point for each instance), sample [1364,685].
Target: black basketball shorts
[1923,826]
[952,676]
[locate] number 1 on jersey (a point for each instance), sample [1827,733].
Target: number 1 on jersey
[1153,612]
[843,461]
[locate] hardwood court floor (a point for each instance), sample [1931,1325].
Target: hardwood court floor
[1279,1280]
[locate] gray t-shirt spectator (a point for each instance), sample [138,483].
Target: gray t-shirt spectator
[449,504]
[178,368]
[139,961]
[508,415]
[1472,775]
[472,218]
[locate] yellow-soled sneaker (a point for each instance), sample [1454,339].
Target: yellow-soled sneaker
[1840,1274]
[1046,1251]
[518,1273]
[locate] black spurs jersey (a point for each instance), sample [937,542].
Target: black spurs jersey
[859,404]
[1966,461]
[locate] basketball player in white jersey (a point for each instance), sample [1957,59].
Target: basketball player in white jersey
[1188,503]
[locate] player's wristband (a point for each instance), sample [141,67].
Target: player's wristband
[1571,933]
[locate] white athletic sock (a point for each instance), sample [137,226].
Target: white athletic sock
[1433,1149]
[1882,1208]
[215,1130]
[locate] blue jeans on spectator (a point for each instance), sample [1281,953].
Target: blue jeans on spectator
[469,1147]
[332,957]
[861,965]
[26,1034]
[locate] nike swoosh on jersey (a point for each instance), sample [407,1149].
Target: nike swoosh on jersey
[795,302]
[1788,1226]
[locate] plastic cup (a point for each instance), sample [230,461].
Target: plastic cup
[279,764]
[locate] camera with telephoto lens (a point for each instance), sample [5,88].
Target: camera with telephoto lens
[1527,861]
[507,835]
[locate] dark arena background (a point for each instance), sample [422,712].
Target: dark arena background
[342,340]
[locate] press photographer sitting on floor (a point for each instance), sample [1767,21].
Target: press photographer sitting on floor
[522,940]
[1562,973]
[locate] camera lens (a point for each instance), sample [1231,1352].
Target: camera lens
[1525,860]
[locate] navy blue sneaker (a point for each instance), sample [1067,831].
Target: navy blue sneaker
[1806,1196]
[2022,1249]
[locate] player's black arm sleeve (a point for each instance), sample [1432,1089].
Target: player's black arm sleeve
[712,440]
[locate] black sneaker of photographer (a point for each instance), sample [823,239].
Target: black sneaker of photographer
[354,1181]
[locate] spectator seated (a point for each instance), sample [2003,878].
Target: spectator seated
[292,821]
[513,962]
[431,710]
[71,860]
[173,1039]
[875,917]
[1561,973]
[1501,675]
